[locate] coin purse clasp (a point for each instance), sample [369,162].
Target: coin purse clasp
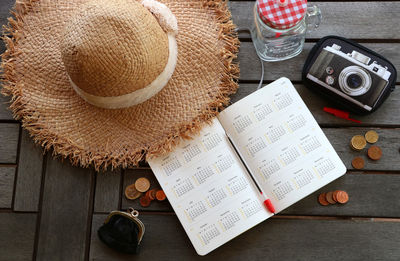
[122,231]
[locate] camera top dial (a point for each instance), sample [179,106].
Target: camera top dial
[360,57]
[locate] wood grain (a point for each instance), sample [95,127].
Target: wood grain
[65,208]
[63,228]
[9,133]
[27,189]
[5,113]
[17,235]
[388,142]
[385,116]
[274,239]
[371,195]
[7,175]
[345,19]
[5,7]
[107,191]
[129,178]
[250,68]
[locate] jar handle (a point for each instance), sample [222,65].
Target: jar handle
[313,17]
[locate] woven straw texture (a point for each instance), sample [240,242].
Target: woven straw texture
[107,51]
[58,119]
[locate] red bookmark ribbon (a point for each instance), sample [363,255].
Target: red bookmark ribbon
[340,114]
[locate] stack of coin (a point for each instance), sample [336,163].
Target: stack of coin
[131,192]
[333,197]
[141,188]
[151,195]
[358,143]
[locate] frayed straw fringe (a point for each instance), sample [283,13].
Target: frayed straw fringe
[78,155]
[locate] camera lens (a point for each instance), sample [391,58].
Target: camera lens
[354,81]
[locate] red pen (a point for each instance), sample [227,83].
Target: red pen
[268,204]
[340,114]
[266,201]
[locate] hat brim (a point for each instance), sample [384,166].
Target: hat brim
[58,119]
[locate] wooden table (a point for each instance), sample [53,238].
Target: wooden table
[50,210]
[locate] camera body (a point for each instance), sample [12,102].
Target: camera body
[350,75]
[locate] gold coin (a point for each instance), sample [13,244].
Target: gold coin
[358,142]
[142,184]
[131,192]
[371,136]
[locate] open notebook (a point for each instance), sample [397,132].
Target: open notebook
[277,140]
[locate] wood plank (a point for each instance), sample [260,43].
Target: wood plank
[27,189]
[107,195]
[340,138]
[5,113]
[130,177]
[5,7]
[388,142]
[9,133]
[65,208]
[371,195]
[250,65]
[345,19]
[367,197]
[274,239]
[17,236]
[385,116]
[7,175]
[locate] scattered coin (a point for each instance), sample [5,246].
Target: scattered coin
[374,153]
[335,195]
[145,201]
[148,194]
[152,194]
[358,163]
[142,184]
[322,199]
[358,142]
[160,195]
[131,192]
[371,136]
[329,197]
[342,197]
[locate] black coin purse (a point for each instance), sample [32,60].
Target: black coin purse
[122,231]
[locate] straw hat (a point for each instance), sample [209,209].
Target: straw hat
[105,82]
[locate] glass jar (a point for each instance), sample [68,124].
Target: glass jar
[272,43]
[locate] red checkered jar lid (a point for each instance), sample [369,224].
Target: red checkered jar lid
[281,14]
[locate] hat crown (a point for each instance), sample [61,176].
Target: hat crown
[113,48]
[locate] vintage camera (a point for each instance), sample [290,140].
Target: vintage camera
[351,76]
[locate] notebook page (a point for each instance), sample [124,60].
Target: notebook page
[281,143]
[209,189]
